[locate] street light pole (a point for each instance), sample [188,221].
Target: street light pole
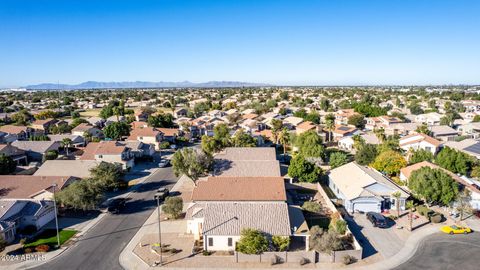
[157,197]
[56,219]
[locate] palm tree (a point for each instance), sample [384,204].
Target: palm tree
[284,139]
[116,112]
[276,128]
[397,196]
[358,141]
[66,143]
[330,125]
[380,133]
[410,207]
[88,137]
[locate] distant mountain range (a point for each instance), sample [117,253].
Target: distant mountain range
[139,84]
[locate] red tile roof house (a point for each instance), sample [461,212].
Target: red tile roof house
[222,206]
[147,135]
[42,126]
[27,201]
[109,151]
[170,134]
[15,133]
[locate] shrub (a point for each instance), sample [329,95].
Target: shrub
[206,253]
[339,225]
[252,242]
[313,207]
[164,145]
[42,248]
[274,260]
[173,207]
[348,259]
[422,210]
[436,218]
[303,261]
[281,242]
[28,250]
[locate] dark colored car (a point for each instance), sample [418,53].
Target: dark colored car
[378,220]
[116,205]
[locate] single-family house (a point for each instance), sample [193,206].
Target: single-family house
[443,133]
[246,161]
[16,154]
[420,141]
[342,131]
[15,133]
[147,135]
[468,146]
[36,150]
[109,151]
[75,168]
[363,189]
[85,128]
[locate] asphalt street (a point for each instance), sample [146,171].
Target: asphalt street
[443,252]
[101,246]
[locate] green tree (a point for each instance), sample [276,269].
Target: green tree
[325,241]
[433,185]
[66,144]
[357,120]
[116,130]
[80,195]
[161,121]
[454,161]
[281,242]
[7,165]
[243,139]
[107,175]
[310,145]
[304,170]
[191,162]
[389,162]
[423,129]
[284,139]
[420,155]
[252,242]
[277,126]
[463,201]
[366,154]
[397,195]
[338,159]
[51,155]
[173,207]
[330,125]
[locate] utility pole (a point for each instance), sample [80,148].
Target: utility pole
[56,218]
[157,197]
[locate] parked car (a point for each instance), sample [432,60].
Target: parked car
[454,229]
[378,220]
[116,205]
[163,163]
[162,193]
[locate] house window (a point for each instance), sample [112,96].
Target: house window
[100,156]
[230,242]
[140,138]
[210,242]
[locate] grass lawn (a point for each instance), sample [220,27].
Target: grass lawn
[49,237]
[90,113]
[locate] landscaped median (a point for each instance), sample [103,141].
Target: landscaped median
[47,240]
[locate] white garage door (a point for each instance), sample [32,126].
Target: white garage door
[366,207]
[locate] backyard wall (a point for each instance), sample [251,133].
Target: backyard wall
[338,255]
[266,257]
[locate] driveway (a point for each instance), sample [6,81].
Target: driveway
[384,241]
[443,251]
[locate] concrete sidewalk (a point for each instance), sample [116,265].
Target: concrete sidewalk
[130,261]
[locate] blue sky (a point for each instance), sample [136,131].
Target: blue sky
[281,42]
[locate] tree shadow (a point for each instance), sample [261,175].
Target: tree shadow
[221,165]
[356,229]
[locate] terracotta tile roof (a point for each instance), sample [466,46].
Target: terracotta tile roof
[82,127]
[43,121]
[421,137]
[143,132]
[168,131]
[139,124]
[267,133]
[240,189]
[103,148]
[341,129]
[250,116]
[13,129]
[307,125]
[27,186]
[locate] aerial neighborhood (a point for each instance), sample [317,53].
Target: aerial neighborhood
[294,176]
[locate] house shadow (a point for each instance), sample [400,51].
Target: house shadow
[356,229]
[221,165]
